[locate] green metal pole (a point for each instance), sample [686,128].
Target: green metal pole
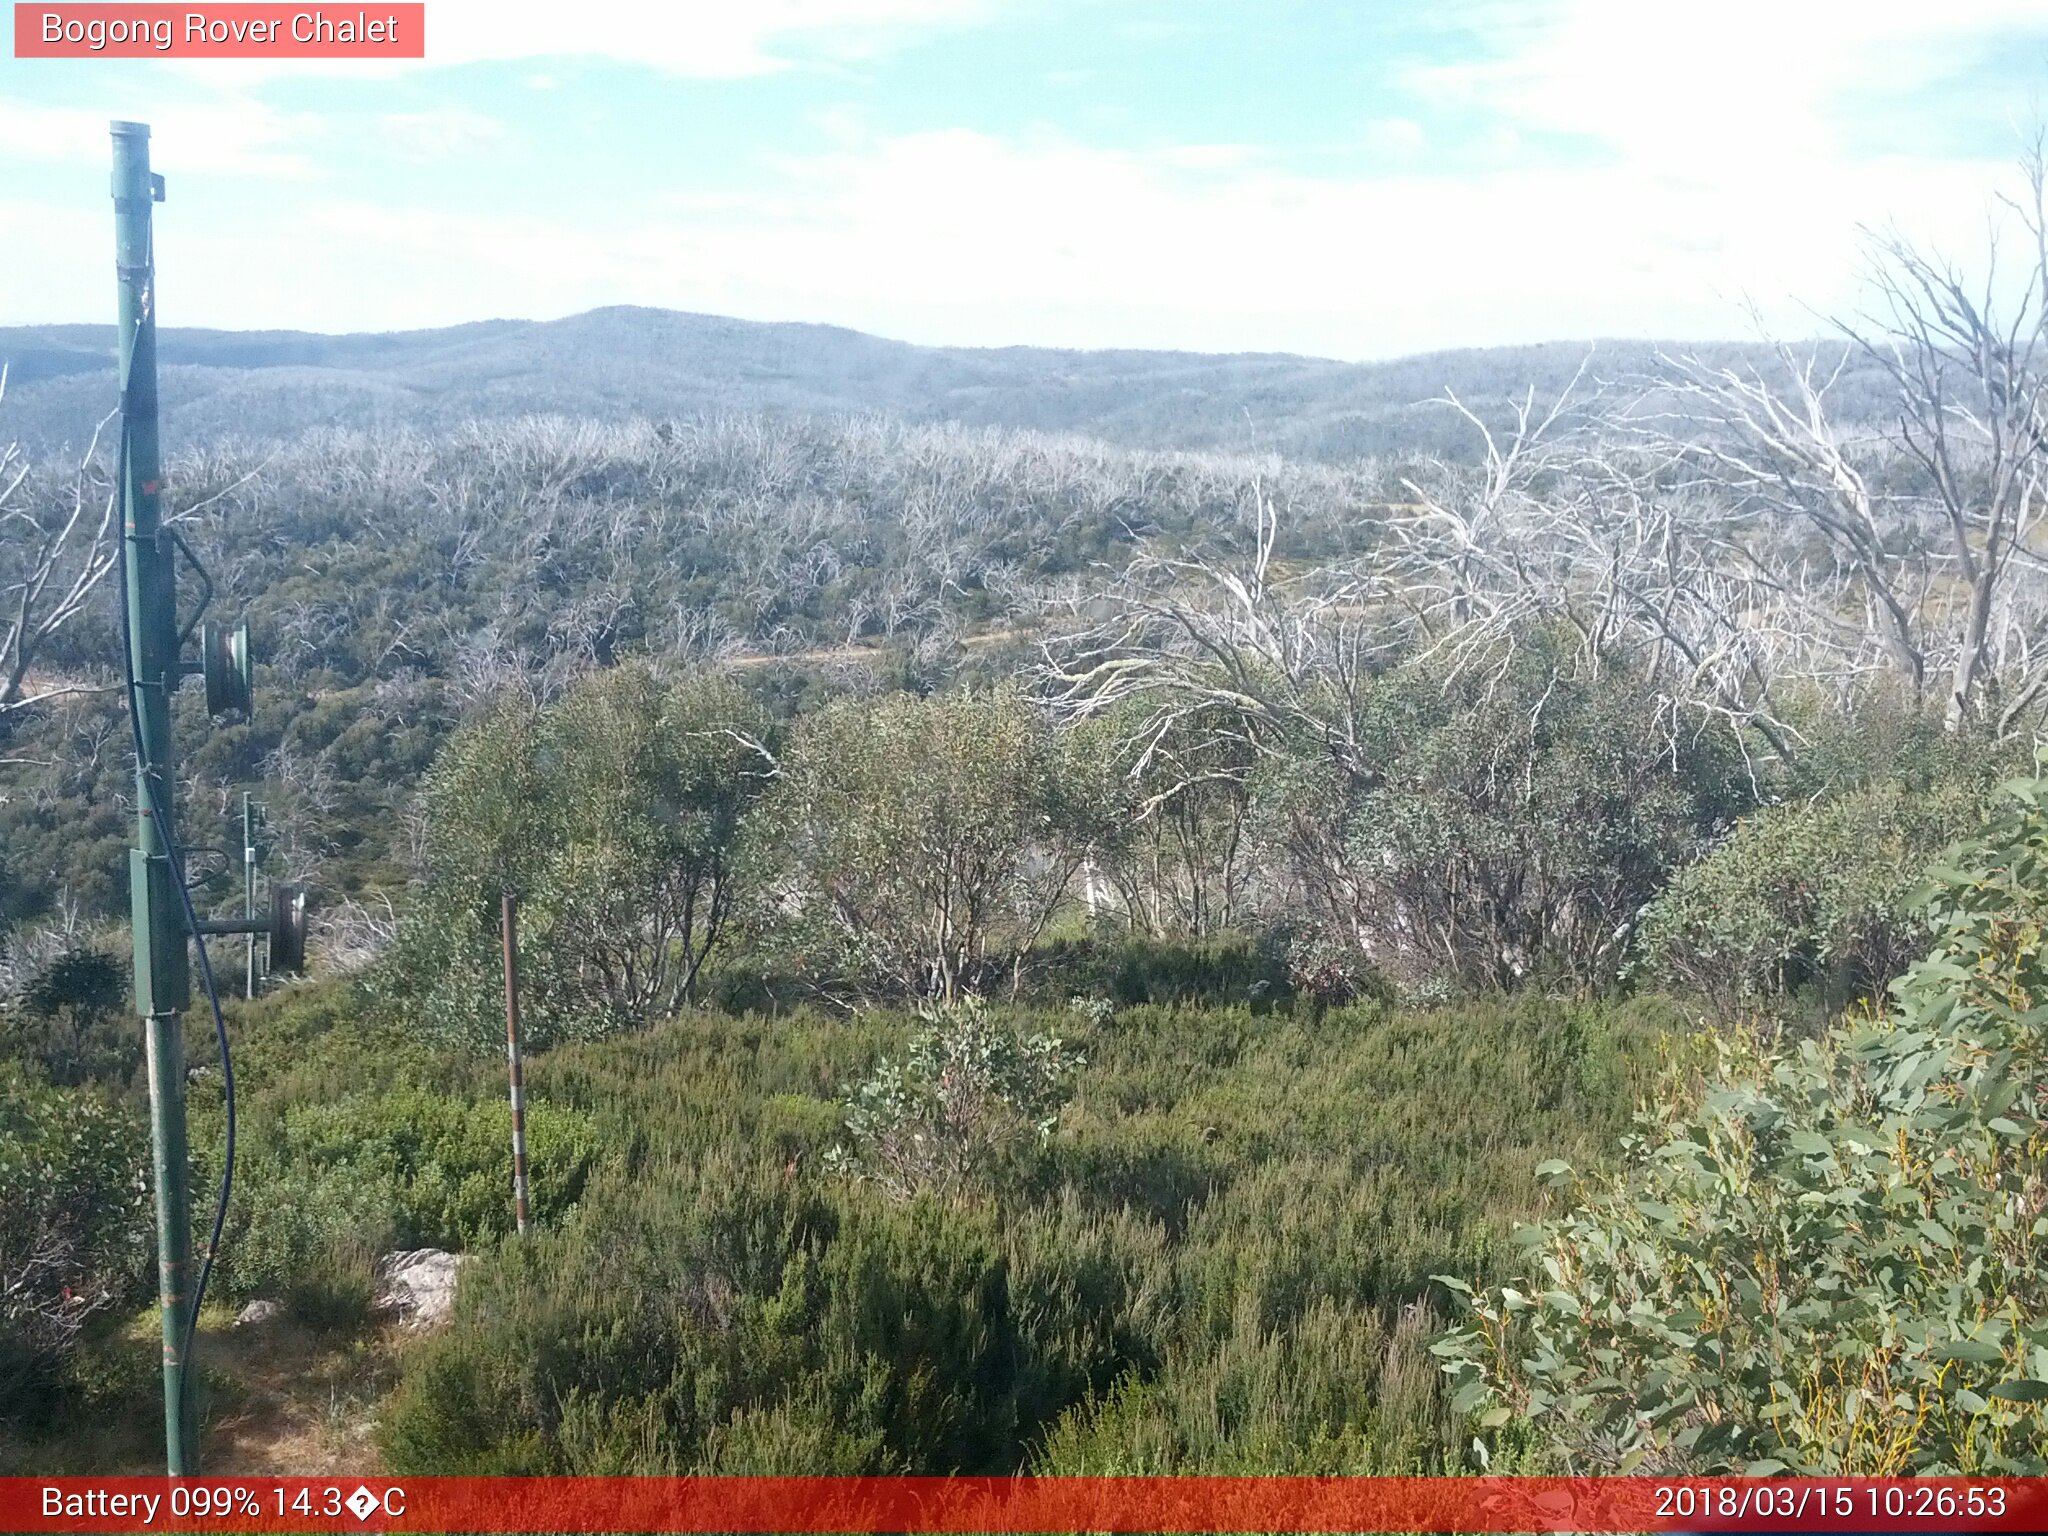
[162,985]
[249,884]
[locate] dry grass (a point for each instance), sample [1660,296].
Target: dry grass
[278,1400]
[291,1402]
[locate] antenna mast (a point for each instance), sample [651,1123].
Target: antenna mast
[161,909]
[162,983]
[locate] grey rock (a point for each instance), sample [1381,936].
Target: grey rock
[418,1286]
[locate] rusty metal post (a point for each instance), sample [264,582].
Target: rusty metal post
[509,918]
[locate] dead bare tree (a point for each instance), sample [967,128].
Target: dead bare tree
[1910,550]
[46,1290]
[1178,637]
[351,934]
[1720,526]
[1973,398]
[1715,529]
[54,551]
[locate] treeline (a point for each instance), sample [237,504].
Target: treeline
[673,838]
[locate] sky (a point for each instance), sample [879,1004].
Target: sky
[1343,178]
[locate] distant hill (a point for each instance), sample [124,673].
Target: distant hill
[621,362]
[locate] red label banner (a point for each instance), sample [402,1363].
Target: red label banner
[234,31]
[1046,1504]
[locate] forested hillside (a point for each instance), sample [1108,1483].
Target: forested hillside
[399,581]
[620,364]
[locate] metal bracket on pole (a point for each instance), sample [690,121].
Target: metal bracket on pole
[249,889]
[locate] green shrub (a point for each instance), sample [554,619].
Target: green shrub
[798,1128]
[445,1161]
[1233,1224]
[1152,1167]
[1826,1257]
[751,1317]
[74,1227]
[357,1139]
[1811,895]
[1137,968]
[1338,1392]
[309,1238]
[324,1188]
[969,1097]
[71,1023]
[1504,826]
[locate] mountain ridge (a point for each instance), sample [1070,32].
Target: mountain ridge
[633,361]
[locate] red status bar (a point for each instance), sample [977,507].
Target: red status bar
[1045,1504]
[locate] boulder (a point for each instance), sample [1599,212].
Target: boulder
[418,1286]
[257,1313]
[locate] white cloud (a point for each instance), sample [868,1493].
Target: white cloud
[696,39]
[962,237]
[1710,91]
[1208,157]
[1394,137]
[440,134]
[33,233]
[703,38]
[230,135]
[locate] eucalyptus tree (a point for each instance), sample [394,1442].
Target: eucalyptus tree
[1187,860]
[1852,1223]
[614,815]
[924,844]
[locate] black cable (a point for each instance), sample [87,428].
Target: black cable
[146,775]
